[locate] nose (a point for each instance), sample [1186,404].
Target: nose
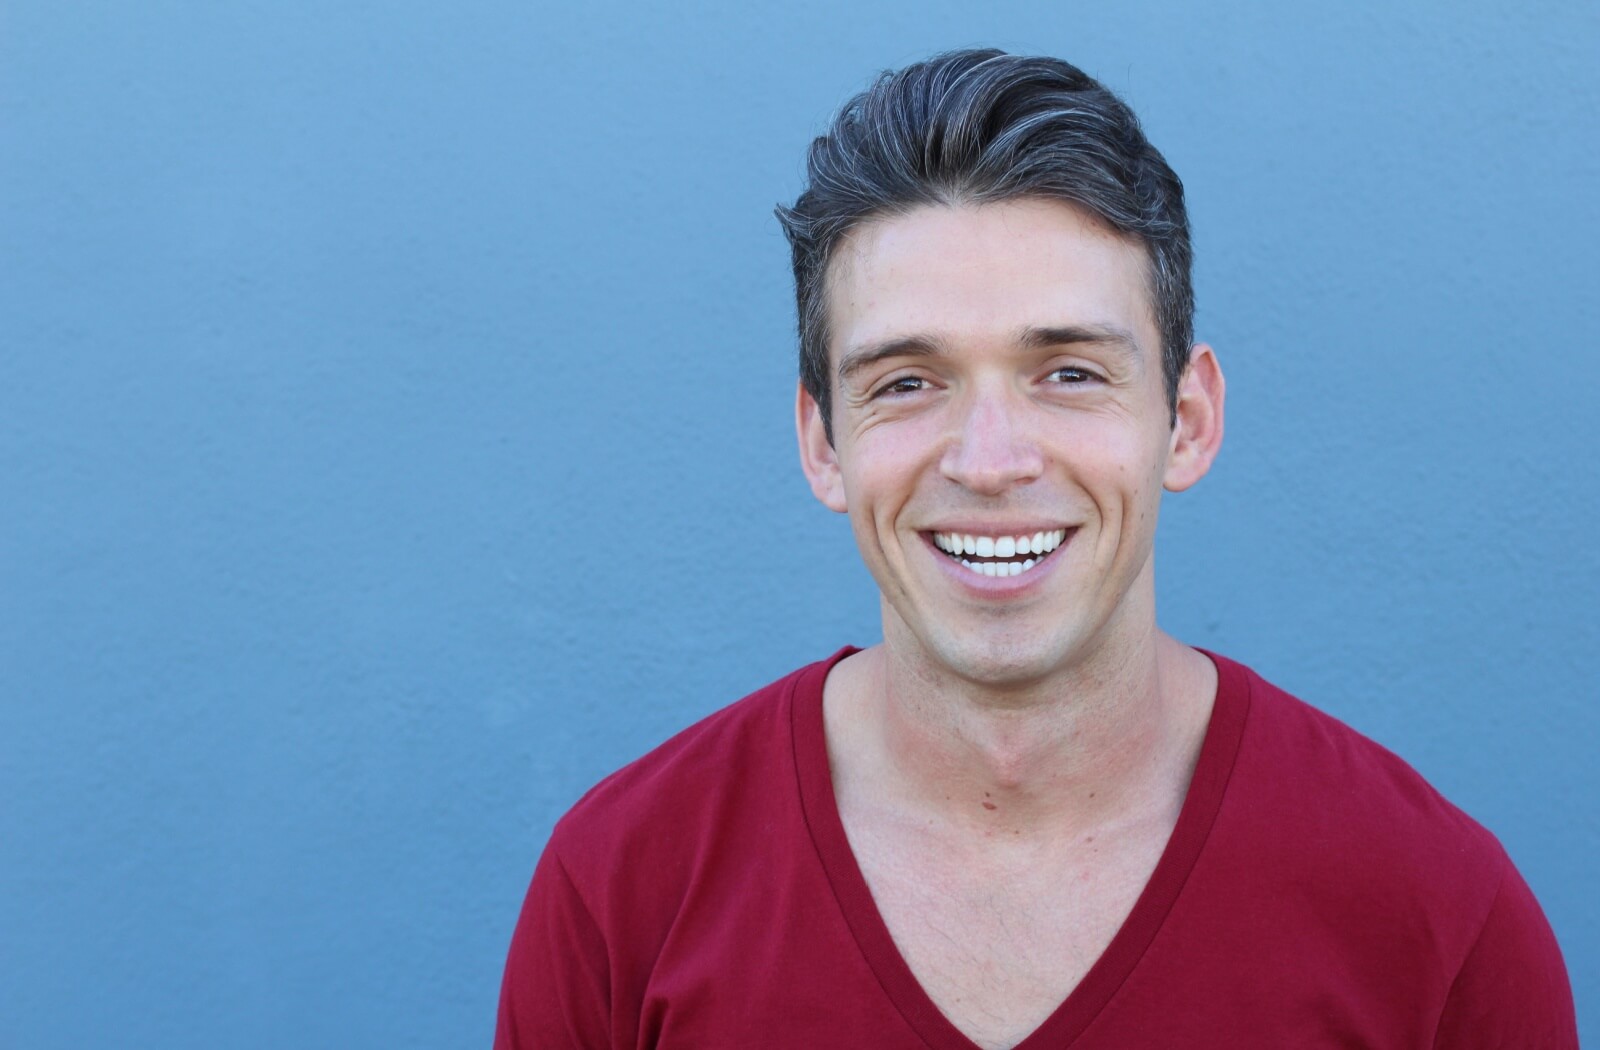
[992,447]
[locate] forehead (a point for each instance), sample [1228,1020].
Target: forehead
[978,273]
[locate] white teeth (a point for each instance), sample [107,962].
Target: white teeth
[1040,543]
[999,568]
[999,546]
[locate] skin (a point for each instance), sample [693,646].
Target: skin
[997,371]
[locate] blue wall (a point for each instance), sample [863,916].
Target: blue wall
[395,438]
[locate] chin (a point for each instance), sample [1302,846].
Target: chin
[1002,664]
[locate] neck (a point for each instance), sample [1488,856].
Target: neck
[1114,737]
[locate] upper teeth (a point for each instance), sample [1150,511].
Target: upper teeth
[999,546]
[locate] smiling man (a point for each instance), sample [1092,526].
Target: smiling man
[1029,818]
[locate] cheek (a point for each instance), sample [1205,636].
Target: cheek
[885,465]
[1121,470]
[1115,457]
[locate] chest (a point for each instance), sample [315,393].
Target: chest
[998,938]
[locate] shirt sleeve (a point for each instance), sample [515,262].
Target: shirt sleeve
[556,991]
[1512,990]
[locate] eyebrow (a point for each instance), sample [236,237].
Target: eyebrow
[1107,335]
[902,346]
[1033,338]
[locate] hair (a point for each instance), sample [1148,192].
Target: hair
[982,126]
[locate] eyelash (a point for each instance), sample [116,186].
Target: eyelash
[893,388]
[889,389]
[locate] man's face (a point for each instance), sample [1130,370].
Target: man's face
[997,380]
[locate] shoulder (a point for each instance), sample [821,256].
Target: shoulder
[1355,825]
[713,777]
[663,844]
[1356,839]
[1316,762]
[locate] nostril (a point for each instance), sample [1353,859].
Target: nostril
[989,469]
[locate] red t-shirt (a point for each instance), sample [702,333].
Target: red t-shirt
[1315,892]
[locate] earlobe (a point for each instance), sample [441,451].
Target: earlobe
[1197,433]
[817,457]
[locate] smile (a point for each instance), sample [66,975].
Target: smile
[999,555]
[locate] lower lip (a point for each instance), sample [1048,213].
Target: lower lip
[999,586]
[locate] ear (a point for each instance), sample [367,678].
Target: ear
[817,457]
[1197,434]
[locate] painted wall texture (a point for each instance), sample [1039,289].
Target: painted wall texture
[395,437]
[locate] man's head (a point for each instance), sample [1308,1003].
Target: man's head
[997,376]
[974,127]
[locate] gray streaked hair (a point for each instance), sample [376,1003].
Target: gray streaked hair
[980,126]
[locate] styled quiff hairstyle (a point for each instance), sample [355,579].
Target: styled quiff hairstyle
[975,127]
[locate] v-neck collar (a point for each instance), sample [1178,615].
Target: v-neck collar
[1132,939]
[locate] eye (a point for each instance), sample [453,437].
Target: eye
[903,385]
[1070,376]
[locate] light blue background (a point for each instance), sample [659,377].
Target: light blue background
[395,437]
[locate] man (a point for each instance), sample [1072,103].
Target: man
[1028,818]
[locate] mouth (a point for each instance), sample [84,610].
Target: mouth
[999,555]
